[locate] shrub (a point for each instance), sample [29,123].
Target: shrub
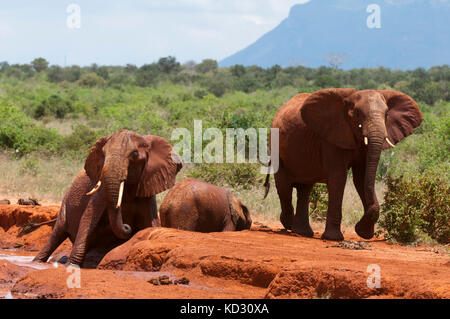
[244,175]
[53,105]
[80,140]
[416,204]
[39,64]
[200,93]
[318,205]
[91,80]
[19,133]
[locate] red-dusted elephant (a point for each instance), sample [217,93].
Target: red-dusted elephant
[114,196]
[195,205]
[322,136]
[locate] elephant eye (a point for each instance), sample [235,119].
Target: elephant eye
[134,154]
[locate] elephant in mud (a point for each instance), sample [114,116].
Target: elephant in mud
[114,196]
[322,136]
[195,205]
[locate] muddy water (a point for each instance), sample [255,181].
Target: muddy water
[25,259]
[21,259]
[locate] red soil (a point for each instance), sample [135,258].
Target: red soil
[262,263]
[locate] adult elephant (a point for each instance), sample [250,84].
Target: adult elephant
[194,205]
[322,136]
[114,196]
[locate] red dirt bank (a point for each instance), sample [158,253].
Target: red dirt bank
[261,263]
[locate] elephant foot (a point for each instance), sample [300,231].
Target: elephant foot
[39,260]
[333,235]
[366,227]
[287,221]
[365,230]
[305,231]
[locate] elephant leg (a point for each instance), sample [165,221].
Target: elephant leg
[58,236]
[155,222]
[284,189]
[147,213]
[336,186]
[301,221]
[88,222]
[358,180]
[365,228]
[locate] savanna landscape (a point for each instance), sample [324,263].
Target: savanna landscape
[50,116]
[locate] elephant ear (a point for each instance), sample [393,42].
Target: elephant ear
[403,116]
[161,169]
[326,113]
[240,215]
[94,162]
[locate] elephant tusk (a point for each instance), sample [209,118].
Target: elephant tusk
[390,143]
[95,189]
[119,201]
[366,141]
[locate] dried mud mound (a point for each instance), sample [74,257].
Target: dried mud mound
[287,266]
[261,263]
[14,217]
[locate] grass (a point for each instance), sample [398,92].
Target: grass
[46,179]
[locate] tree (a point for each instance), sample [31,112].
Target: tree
[147,75]
[39,64]
[3,66]
[190,65]
[237,70]
[130,68]
[168,65]
[91,80]
[55,74]
[103,72]
[206,66]
[335,60]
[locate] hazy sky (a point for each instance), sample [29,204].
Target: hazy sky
[117,32]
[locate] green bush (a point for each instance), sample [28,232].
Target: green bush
[82,137]
[53,105]
[18,132]
[414,205]
[91,80]
[243,175]
[318,205]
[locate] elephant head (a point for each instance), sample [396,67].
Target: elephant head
[240,214]
[367,120]
[131,164]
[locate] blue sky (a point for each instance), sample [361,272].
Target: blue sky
[118,32]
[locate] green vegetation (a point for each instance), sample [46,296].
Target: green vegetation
[417,207]
[51,112]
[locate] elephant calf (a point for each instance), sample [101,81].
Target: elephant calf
[194,205]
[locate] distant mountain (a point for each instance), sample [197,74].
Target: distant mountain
[413,33]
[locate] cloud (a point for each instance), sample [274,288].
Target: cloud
[254,19]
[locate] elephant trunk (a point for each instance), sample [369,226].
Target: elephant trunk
[113,179]
[376,138]
[373,157]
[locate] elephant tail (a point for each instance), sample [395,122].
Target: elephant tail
[267,183]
